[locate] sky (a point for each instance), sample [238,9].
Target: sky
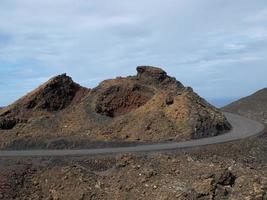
[218,47]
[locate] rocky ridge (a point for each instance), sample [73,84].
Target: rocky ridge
[150,106]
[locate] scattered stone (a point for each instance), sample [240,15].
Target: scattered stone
[226,178]
[190,159]
[149,173]
[169,100]
[204,187]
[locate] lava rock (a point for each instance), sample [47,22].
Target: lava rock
[120,99]
[153,72]
[6,123]
[226,178]
[56,95]
[169,100]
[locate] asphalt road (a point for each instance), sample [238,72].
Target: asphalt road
[242,128]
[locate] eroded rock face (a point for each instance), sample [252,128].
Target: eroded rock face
[153,102]
[123,95]
[158,77]
[151,72]
[121,99]
[56,95]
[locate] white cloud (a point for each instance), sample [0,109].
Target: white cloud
[233,46]
[193,40]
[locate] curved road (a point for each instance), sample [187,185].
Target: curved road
[242,128]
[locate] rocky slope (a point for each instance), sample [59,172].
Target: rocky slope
[55,95]
[149,106]
[253,106]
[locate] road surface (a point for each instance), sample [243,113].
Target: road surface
[242,128]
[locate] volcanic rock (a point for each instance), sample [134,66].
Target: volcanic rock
[150,106]
[154,75]
[7,123]
[120,99]
[226,178]
[54,95]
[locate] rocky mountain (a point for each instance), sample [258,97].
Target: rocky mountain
[253,106]
[150,106]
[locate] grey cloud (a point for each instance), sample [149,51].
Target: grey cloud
[196,41]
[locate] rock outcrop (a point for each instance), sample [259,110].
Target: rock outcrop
[57,94]
[156,76]
[6,123]
[54,95]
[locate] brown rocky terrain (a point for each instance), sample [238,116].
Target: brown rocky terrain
[231,171]
[55,95]
[150,106]
[253,106]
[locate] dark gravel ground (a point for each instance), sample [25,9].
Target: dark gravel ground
[143,175]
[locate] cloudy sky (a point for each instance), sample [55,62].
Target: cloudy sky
[219,47]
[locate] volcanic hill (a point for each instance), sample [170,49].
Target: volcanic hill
[253,106]
[150,106]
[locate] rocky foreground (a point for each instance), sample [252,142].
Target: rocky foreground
[236,171]
[150,106]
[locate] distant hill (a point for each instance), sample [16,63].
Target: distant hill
[253,106]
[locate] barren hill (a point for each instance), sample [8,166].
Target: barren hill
[56,94]
[150,106]
[253,106]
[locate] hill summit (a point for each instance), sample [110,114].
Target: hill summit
[253,106]
[150,106]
